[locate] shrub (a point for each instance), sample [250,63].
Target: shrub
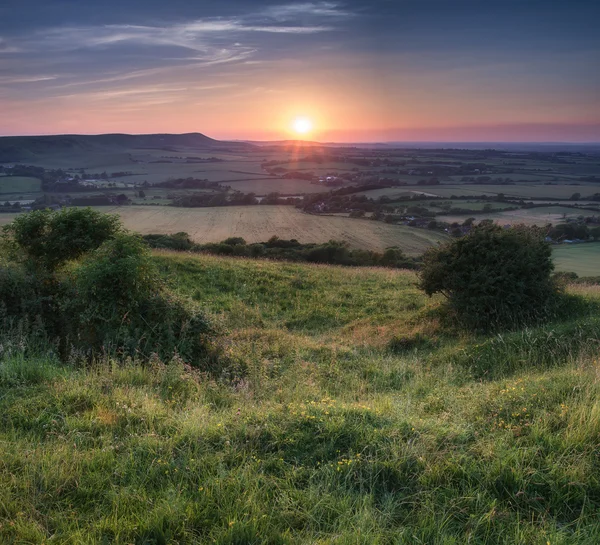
[119,302]
[395,257]
[333,252]
[493,277]
[179,241]
[49,239]
[17,292]
[234,241]
[29,301]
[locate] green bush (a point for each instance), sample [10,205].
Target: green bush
[29,301]
[49,239]
[119,303]
[179,241]
[493,277]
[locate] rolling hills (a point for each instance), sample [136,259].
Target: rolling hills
[35,149]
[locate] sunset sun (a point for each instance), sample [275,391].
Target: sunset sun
[302,125]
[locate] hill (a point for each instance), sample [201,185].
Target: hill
[350,414]
[37,148]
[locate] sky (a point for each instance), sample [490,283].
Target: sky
[358,70]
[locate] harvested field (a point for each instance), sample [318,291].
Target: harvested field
[259,223]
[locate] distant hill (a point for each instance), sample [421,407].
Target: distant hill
[15,149]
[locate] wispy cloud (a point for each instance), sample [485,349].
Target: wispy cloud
[314,9]
[196,35]
[14,80]
[102,55]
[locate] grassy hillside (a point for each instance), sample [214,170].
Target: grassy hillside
[350,415]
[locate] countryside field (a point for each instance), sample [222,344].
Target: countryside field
[351,415]
[248,168]
[542,215]
[519,190]
[584,259]
[259,223]
[19,185]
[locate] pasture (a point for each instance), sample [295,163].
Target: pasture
[583,259]
[19,185]
[542,215]
[520,191]
[264,186]
[259,223]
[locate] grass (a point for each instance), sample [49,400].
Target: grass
[542,215]
[353,417]
[583,259]
[530,190]
[19,184]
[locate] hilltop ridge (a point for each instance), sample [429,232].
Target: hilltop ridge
[30,148]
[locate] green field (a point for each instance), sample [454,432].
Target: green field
[350,416]
[19,185]
[542,215]
[520,191]
[583,259]
[269,185]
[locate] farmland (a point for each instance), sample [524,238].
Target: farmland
[542,215]
[258,223]
[540,190]
[196,184]
[583,259]
[19,185]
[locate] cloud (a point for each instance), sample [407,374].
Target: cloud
[13,80]
[196,35]
[83,58]
[314,9]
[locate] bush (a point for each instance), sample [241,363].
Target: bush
[120,303]
[493,277]
[29,301]
[179,241]
[49,239]
[17,292]
[234,241]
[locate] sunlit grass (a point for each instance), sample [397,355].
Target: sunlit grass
[352,416]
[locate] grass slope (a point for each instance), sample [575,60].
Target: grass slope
[355,418]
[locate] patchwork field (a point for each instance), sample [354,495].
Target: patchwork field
[259,223]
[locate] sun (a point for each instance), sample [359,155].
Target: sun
[302,125]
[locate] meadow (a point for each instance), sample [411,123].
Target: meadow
[542,215]
[19,185]
[583,259]
[351,414]
[259,223]
[519,190]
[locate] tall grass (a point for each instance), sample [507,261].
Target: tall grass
[353,417]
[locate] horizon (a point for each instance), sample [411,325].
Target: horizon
[426,143]
[336,71]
